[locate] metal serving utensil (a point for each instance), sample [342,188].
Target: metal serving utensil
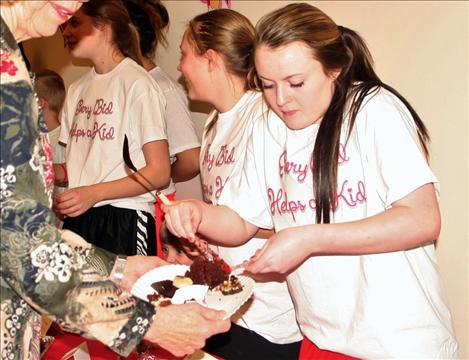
[208,253]
[128,162]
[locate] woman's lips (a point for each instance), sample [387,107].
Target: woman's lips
[289,113]
[63,12]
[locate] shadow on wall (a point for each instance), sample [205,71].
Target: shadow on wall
[50,53]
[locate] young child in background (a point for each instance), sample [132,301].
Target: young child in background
[216,59]
[151,19]
[106,203]
[50,89]
[173,250]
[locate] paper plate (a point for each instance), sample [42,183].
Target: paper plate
[230,303]
[142,287]
[213,299]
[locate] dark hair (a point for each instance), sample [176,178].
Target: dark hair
[167,237]
[151,19]
[230,34]
[335,47]
[50,86]
[113,13]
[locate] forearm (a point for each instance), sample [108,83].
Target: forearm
[264,233]
[154,177]
[31,271]
[405,225]
[223,226]
[186,166]
[60,174]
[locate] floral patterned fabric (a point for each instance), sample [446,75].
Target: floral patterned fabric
[43,269]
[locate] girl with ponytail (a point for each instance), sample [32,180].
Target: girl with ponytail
[343,179]
[106,203]
[151,20]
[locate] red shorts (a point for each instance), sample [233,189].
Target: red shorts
[310,351]
[159,217]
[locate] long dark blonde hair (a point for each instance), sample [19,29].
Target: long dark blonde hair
[151,19]
[114,13]
[230,34]
[335,47]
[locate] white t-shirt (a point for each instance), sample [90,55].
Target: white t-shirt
[58,154]
[99,110]
[387,305]
[271,313]
[179,125]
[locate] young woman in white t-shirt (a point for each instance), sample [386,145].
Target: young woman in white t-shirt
[151,19]
[107,203]
[216,58]
[343,179]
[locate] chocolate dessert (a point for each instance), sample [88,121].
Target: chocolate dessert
[230,286]
[211,273]
[164,288]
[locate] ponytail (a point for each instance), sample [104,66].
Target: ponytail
[114,14]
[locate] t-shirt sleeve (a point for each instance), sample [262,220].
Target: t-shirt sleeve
[148,114]
[246,193]
[180,127]
[393,147]
[65,123]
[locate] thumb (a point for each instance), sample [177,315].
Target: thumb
[212,314]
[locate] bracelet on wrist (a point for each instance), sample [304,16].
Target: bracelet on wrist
[64,170]
[118,271]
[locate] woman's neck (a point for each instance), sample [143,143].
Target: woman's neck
[107,62]
[229,94]
[148,63]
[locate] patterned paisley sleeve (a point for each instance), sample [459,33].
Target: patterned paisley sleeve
[55,272]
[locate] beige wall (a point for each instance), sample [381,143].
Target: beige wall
[421,48]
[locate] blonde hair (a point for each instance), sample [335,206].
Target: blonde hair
[50,86]
[231,35]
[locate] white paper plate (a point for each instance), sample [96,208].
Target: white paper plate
[213,299]
[142,287]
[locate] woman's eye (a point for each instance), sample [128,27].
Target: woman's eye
[297,85]
[267,86]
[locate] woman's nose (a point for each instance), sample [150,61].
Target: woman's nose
[282,96]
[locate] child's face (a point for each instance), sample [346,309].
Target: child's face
[175,256]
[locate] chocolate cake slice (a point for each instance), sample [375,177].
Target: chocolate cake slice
[205,272]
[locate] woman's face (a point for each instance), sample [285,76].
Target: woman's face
[294,83]
[194,68]
[81,36]
[42,18]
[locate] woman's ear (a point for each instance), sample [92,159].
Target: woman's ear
[334,74]
[213,58]
[43,102]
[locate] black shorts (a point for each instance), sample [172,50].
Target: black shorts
[121,231]
[243,344]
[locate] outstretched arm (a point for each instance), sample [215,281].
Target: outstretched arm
[411,222]
[218,224]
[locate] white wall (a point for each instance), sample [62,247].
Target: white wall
[421,48]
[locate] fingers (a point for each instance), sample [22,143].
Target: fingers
[181,219]
[255,263]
